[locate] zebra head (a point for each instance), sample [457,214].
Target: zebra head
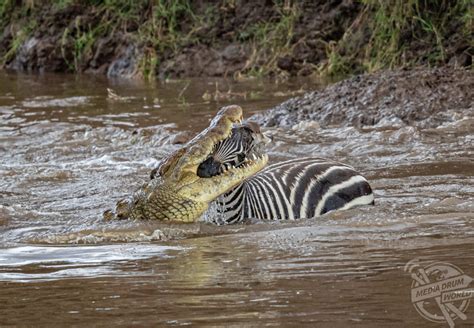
[246,143]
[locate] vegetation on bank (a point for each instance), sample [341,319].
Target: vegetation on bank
[403,33]
[379,34]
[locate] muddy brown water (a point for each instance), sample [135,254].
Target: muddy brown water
[67,153]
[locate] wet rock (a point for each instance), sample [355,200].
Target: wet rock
[26,57]
[126,63]
[420,97]
[233,52]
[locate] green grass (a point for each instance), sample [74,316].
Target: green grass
[20,37]
[153,24]
[403,33]
[161,32]
[385,35]
[269,41]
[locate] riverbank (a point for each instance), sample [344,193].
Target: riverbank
[425,98]
[148,39]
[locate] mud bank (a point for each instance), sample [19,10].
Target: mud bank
[232,38]
[420,97]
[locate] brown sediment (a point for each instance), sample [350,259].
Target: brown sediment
[419,97]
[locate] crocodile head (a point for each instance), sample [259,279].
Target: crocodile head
[180,189]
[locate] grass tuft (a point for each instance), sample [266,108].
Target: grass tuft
[384,35]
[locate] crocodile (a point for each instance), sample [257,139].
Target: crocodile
[176,192]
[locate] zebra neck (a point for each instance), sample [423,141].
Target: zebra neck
[228,208]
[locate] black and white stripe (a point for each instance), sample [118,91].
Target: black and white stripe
[230,152]
[295,189]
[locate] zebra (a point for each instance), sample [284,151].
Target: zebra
[294,189]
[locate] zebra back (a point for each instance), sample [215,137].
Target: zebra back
[295,189]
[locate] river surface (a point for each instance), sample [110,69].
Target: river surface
[68,151]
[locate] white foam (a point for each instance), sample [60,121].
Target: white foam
[46,101]
[30,255]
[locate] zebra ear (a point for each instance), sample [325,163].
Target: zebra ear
[253,126]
